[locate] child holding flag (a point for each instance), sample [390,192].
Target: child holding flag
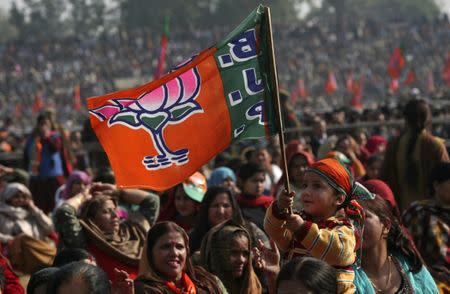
[329,227]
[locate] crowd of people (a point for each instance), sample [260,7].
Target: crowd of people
[360,212]
[50,70]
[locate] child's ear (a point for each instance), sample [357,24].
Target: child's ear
[340,198]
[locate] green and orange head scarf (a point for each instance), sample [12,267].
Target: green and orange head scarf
[341,179]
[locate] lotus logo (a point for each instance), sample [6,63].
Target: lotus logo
[171,103]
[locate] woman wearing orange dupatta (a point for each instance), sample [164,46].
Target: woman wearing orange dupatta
[166,268]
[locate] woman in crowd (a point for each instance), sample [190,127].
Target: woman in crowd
[182,203]
[225,252]
[76,183]
[253,203]
[410,158]
[428,221]
[166,267]
[390,262]
[220,205]
[297,162]
[24,230]
[113,242]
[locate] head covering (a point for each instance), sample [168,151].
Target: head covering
[195,186]
[384,191]
[212,254]
[374,142]
[76,176]
[340,178]
[11,190]
[126,245]
[219,175]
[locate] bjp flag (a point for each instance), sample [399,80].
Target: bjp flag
[160,133]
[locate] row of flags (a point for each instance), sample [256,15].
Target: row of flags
[354,87]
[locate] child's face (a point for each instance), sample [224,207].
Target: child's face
[318,198]
[254,185]
[184,205]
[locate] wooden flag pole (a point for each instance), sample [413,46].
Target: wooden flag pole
[273,67]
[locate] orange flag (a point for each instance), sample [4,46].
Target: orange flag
[331,84]
[160,133]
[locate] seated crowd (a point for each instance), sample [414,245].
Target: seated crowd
[350,216]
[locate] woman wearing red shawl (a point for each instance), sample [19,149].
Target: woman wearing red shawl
[166,268]
[297,161]
[330,224]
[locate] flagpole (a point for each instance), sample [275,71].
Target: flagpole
[273,67]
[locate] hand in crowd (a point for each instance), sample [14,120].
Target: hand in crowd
[267,259]
[294,222]
[102,188]
[123,284]
[285,200]
[29,204]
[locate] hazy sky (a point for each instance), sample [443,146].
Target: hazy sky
[5,4]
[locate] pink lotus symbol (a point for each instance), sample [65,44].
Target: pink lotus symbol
[170,103]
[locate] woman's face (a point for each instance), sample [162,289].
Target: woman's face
[318,198]
[220,209]
[106,218]
[169,255]
[77,187]
[373,230]
[238,256]
[185,206]
[254,185]
[297,167]
[20,199]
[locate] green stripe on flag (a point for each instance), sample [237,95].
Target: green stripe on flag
[243,63]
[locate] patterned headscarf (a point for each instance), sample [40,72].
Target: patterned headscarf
[341,179]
